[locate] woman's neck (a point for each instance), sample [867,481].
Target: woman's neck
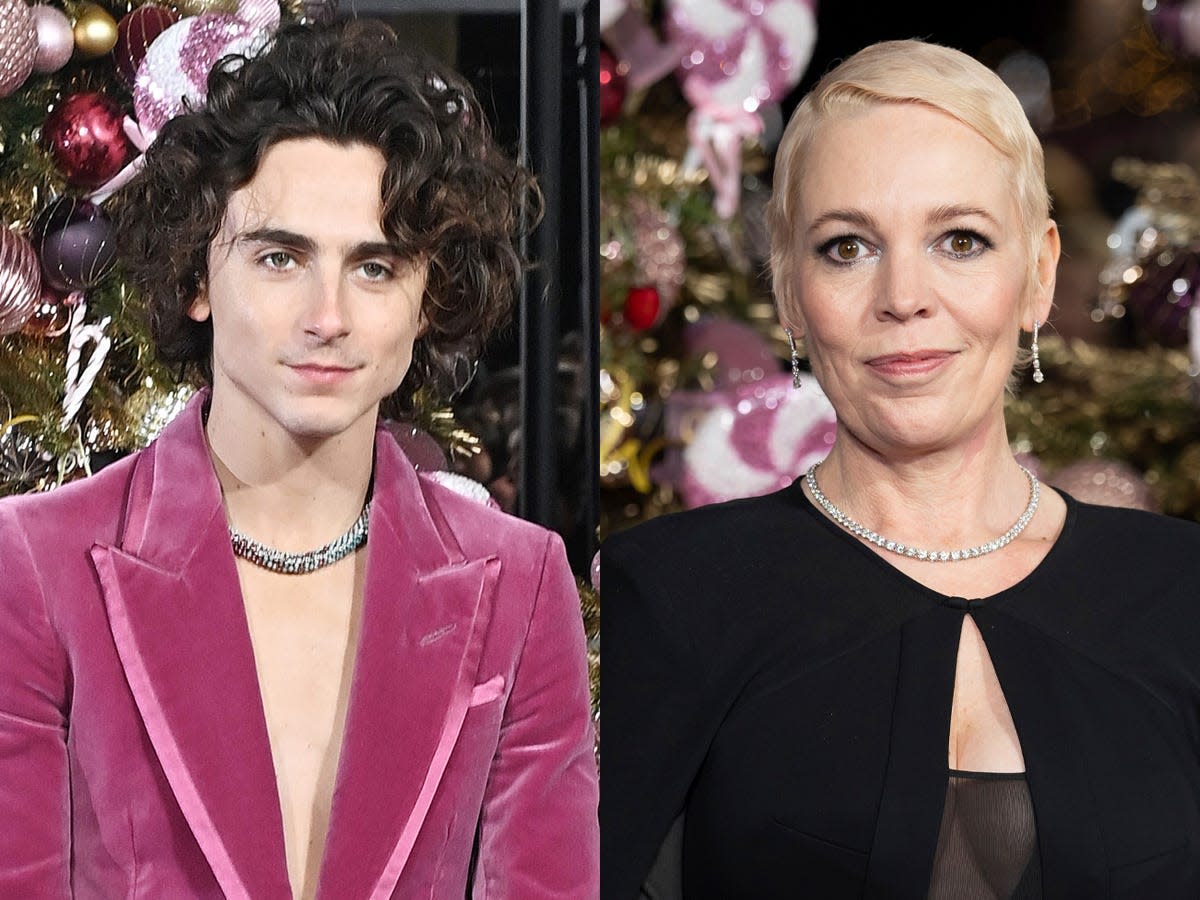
[947,498]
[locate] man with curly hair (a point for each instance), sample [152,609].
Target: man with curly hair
[264,657]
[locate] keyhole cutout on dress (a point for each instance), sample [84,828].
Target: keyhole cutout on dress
[983,737]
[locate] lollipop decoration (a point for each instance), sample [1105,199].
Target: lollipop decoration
[754,439]
[173,74]
[737,56]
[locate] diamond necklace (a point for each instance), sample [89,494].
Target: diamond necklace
[929,555]
[303,563]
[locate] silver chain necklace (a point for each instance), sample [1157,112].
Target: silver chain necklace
[303,563]
[929,555]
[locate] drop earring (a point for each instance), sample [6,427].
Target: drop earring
[796,382]
[1038,377]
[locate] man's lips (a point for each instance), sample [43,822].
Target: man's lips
[323,374]
[914,362]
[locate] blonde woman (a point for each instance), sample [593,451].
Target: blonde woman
[916,672]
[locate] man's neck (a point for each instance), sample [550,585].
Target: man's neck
[289,493]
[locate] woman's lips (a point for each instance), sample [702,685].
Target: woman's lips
[920,362]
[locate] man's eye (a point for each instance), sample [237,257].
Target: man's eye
[376,271]
[276,259]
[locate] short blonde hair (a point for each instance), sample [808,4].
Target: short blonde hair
[907,72]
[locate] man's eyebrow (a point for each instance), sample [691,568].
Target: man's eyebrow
[280,236]
[295,241]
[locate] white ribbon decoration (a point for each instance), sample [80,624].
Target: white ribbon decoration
[79,384]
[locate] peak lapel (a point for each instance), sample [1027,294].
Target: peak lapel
[425,614]
[175,608]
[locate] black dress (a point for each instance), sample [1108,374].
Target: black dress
[787,692]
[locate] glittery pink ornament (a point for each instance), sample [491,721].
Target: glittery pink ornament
[20,281]
[754,439]
[18,44]
[1107,482]
[174,74]
[55,38]
[735,56]
[741,54]
[661,254]
[743,354]
[594,573]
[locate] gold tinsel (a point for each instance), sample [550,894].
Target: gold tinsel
[1139,406]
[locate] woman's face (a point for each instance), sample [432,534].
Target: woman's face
[912,276]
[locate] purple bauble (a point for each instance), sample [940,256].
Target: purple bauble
[55,39]
[1158,303]
[73,237]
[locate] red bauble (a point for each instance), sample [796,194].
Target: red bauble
[86,140]
[642,306]
[612,88]
[135,33]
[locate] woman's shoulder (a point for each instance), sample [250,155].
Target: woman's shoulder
[735,526]
[1122,537]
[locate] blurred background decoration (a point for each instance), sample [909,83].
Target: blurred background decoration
[696,405]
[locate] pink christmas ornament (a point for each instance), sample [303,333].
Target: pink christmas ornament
[736,56]
[635,43]
[18,44]
[174,74]
[1107,482]
[20,281]
[755,439]
[743,355]
[55,39]
[660,251]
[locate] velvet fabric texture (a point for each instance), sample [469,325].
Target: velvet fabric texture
[134,757]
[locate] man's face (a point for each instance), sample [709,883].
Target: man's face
[313,313]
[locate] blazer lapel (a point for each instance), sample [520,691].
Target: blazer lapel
[425,615]
[174,603]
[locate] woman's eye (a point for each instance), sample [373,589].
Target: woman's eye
[848,249]
[844,249]
[965,243]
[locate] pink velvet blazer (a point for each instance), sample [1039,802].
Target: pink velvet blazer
[134,758]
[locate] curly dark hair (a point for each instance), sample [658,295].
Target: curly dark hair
[450,195]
